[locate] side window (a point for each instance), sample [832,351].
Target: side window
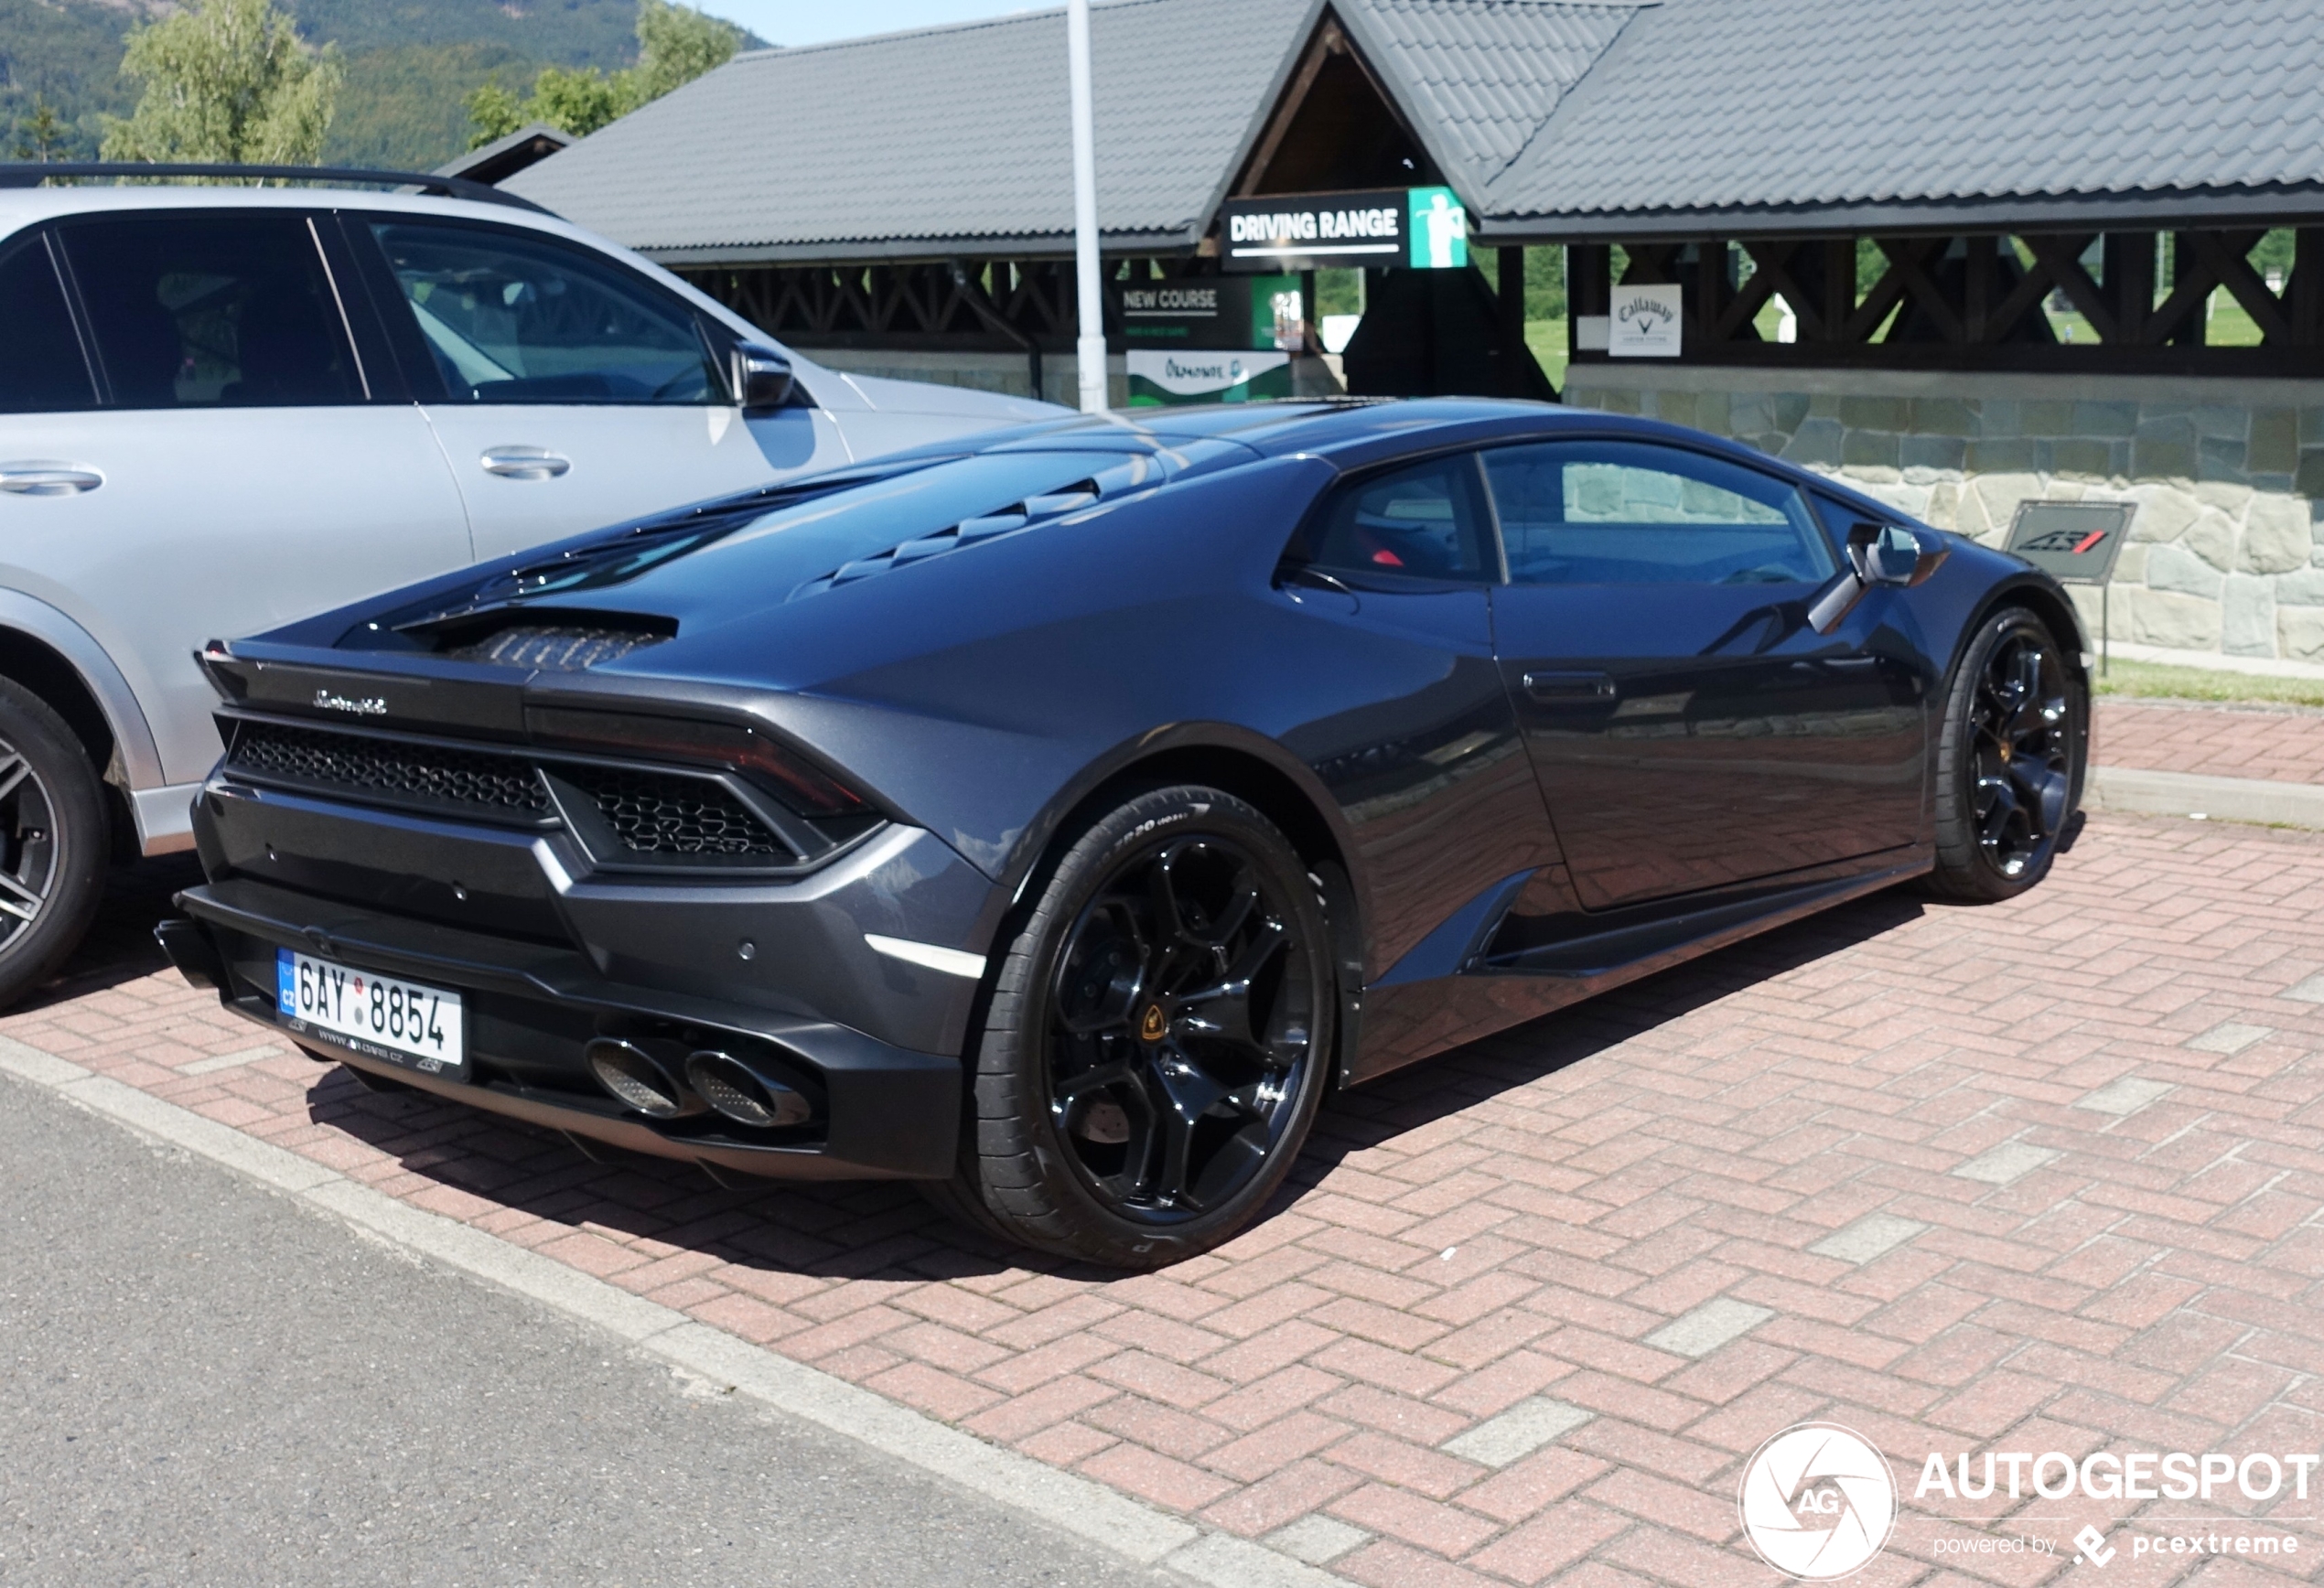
[514,318]
[42,370]
[195,311]
[1619,513]
[1423,521]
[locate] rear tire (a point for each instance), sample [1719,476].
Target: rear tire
[55,842]
[2009,760]
[1157,1037]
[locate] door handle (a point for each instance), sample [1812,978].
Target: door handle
[1571,687]
[48,478]
[524,462]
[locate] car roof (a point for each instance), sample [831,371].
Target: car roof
[21,206]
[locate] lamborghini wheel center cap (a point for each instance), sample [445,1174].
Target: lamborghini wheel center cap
[1152,1024]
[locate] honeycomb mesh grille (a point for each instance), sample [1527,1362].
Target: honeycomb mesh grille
[671,814]
[386,768]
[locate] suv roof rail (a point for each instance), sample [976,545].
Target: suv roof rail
[29,174]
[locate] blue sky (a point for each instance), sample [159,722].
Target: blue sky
[814,21]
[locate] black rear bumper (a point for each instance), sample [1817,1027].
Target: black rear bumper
[892,1113]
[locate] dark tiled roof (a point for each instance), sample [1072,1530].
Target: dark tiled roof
[1719,104]
[1550,117]
[946,134]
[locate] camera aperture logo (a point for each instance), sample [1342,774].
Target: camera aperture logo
[1818,1502]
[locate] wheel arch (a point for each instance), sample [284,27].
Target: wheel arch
[47,652]
[1254,768]
[2048,601]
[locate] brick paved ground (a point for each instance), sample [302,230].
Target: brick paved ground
[2043,1177]
[2277,743]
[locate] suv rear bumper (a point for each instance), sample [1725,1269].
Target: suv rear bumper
[891,1112]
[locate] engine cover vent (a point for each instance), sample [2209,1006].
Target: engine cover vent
[554,648]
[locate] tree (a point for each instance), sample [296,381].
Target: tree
[41,136]
[676,44]
[228,82]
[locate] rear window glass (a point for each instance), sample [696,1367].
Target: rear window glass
[197,311]
[42,367]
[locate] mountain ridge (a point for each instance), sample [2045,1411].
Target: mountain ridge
[411,65]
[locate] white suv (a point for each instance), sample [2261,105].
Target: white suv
[224,407]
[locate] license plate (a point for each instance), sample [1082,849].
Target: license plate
[384,1017]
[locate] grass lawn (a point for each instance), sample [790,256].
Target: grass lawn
[2156,680]
[1547,339]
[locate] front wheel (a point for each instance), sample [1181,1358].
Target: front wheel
[2009,760]
[1157,1039]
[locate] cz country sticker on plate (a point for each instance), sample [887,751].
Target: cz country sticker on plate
[384,1017]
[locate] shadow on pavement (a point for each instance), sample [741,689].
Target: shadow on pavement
[863,1229]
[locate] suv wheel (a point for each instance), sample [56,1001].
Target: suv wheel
[53,842]
[1158,1037]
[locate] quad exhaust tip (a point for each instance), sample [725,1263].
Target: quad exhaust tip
[747,1093]
[639,1079]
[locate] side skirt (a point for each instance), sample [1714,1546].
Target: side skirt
[1406,1022]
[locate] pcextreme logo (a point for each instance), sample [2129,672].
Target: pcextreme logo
[1818,1501]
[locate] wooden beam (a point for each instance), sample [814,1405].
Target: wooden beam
[2305,291]
[1329,41]
[2061,257]
[2191,283]
[2228,255]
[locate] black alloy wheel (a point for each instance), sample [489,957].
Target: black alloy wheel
[1180,1029]
[2008,761]
[54,842]
[1157,1040]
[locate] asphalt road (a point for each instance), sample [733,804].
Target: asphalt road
[203,1382]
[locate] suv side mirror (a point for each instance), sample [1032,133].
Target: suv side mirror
[760,377]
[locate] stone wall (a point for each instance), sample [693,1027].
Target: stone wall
[2226,551]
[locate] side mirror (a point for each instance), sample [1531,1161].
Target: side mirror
[1892,554]
[1877,554]
[760,377]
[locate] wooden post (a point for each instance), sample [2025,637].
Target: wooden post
[2130,282]
[1510,302]
[1976,289]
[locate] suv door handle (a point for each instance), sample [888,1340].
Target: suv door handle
[524,462]
[1570,686]
[48,478]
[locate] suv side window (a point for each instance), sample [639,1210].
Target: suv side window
[1627,512]
[510,318]
[1425,521]
[192,310]
[42,368]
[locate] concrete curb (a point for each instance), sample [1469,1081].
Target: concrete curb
[1140,1533]
[2125,790]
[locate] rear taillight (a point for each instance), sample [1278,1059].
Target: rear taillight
[802,786]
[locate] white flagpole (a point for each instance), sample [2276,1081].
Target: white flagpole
[1089,348]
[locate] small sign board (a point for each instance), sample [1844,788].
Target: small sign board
[1214,313]
[2076,542]
[1163,380]
[1414,227]
[1645,322]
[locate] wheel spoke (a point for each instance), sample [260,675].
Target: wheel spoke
[1222,1009]
[1181,1016]
[17,900]
[13,768]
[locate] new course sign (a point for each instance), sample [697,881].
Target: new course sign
[1417,227]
